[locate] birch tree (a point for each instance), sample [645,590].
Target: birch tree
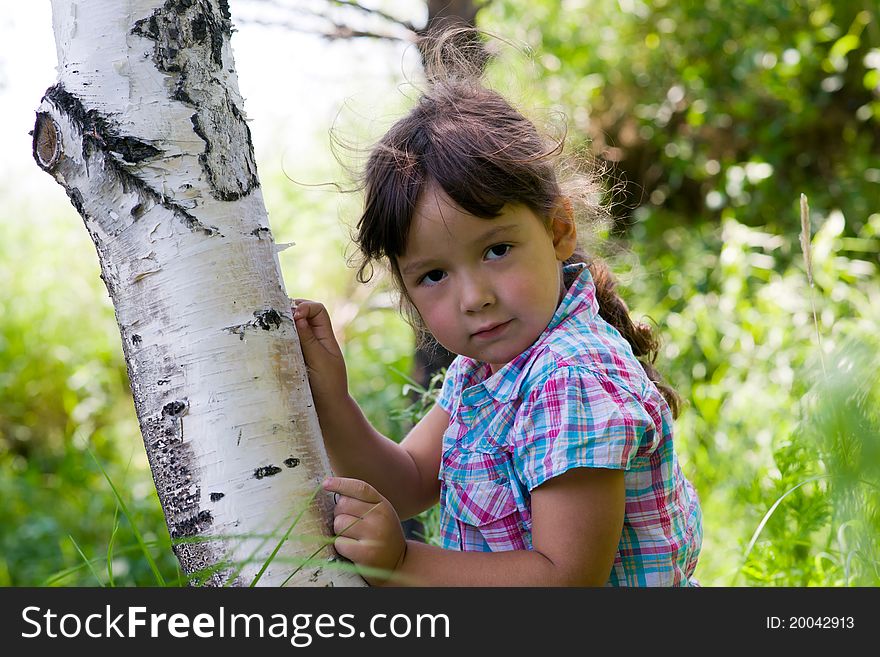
[146,132]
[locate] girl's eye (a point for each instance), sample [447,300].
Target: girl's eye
[432,277]
[497,251]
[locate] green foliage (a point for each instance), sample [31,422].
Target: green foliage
[705,106]
[836,534]
[421,400]
[736,314]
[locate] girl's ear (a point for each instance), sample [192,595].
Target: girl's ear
[563,229]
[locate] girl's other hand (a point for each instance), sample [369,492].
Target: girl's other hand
[368,529]
[324,361]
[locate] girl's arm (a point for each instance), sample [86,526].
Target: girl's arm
[405,473]
[577,519]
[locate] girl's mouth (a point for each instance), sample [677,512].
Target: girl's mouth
[491,331]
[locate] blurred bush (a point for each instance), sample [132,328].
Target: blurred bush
[735,310]
[702,106]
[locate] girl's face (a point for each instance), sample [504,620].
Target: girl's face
[485,288]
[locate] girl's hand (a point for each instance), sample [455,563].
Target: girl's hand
[327,376]
[368,529]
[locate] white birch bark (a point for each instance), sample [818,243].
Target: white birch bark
[145,130]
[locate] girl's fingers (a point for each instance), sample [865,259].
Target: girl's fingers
[348,548]
[367,528]
[347,525]
[355,488]
[356,529]
[353,507]
[313,326]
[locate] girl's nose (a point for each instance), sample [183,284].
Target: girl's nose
[475,293]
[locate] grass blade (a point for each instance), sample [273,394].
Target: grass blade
[110,546]
[85,560]
[134,529]
[328,541]
[284,538]
[772,510]
[805,239]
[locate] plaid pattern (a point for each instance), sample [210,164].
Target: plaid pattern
[576,398]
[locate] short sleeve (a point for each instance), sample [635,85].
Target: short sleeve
[448,393]
[578,418]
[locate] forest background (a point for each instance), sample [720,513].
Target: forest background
[710,120]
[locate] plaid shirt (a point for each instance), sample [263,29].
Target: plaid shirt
[576,398]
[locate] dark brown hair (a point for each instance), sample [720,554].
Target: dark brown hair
[484,155]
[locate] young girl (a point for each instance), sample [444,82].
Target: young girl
[550,449]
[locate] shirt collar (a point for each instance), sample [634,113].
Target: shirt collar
[480,384]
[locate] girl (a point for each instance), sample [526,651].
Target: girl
[550,449]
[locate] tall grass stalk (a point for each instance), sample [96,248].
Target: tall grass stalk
[805,239]
[86,560]
[110,546]
[138,537]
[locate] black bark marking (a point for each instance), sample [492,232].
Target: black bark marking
[263,319]
[267,319]
[292,462]
[189,37]
[171,461]
[175,409]
[266,471]
[173,465]
[131,149]
[193,525]
[76,200]
[194,224]
[98,137]
[210,124]
[98,131]
[180,93]
[215,497]
[224,9]
[259,232]
[200,28]
[112,288]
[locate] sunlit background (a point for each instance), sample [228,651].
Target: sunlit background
[710,124]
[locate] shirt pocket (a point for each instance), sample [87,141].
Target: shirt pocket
[489,509]
[479,499]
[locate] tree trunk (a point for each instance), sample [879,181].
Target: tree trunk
[443,14]
[146,132]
